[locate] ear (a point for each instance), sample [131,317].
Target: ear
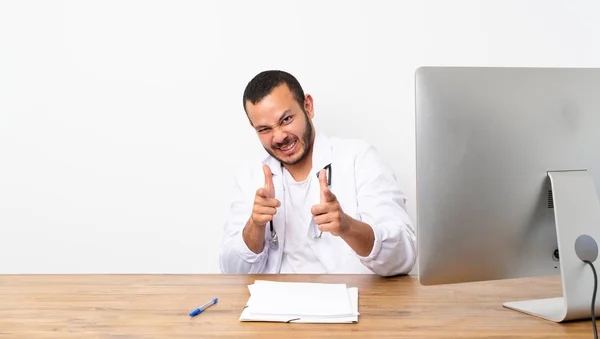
[309,106]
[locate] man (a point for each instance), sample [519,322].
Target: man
[313,204]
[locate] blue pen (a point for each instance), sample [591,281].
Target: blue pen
[203,307]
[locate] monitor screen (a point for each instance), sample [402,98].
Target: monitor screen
[486,138]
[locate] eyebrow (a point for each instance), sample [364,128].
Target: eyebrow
[283,115]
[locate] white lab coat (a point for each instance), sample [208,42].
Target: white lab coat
[367,191]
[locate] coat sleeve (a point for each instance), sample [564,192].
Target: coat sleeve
[382,205]
[235,257]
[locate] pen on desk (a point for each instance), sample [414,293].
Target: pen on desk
[203,307]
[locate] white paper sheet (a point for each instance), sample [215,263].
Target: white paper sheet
[301,302]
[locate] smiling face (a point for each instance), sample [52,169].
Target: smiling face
[283,126]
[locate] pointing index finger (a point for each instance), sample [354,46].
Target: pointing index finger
[268,181]
[323,179]
[326,194]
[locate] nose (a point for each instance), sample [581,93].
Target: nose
[278,136]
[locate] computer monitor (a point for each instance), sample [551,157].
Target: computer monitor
[508,171]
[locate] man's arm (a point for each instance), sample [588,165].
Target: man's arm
[253,236]
[381,206]
[383,239]
[236,256]
[359,236]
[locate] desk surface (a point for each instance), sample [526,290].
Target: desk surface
[157,306]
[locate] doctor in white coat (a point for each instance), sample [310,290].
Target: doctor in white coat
[313,204]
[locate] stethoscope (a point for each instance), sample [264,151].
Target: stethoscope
[274,239]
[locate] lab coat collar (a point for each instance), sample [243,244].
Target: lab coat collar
[321,157]
[321,153]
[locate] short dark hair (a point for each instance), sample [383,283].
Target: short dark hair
[264,82]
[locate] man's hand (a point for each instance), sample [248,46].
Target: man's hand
[329,215]
[265,203]
[265,207]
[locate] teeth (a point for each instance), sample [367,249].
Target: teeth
[288,147]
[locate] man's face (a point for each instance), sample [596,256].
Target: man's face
[283,127]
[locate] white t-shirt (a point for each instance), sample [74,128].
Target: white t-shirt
[298,200]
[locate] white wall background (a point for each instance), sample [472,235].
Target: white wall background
[121,121]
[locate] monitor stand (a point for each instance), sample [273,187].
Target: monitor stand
[576,213]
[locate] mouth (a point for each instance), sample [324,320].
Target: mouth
[289,148]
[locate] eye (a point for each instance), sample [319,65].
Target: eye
[287,120]
[263,130]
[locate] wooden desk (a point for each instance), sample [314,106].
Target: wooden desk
[157,306]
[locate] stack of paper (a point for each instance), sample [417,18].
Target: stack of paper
[301,302]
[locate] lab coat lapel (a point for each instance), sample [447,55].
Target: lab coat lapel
[322,154]
[323,247]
